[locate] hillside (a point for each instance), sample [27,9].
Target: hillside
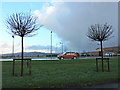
[28,54]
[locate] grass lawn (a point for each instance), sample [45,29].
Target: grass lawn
[58,74]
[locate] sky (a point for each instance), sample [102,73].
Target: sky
[69,22]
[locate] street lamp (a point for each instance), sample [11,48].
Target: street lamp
[13,46]
[65,48]
[51,44]
[56,47]
[62,46]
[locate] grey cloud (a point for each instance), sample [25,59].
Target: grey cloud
[71,20]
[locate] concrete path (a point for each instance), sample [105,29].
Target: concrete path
[108,85]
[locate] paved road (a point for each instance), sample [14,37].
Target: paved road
[106,85]
[96,57]
[54,58]
[113,86]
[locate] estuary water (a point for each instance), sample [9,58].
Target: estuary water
[55,58]
[32,59]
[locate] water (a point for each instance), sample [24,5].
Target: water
[6,59]
[55,58]
[32,59]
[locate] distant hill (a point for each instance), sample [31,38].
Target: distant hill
[29,54]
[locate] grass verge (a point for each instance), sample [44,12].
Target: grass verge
[58,74]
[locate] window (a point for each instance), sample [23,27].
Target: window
[72,53]
[67,53]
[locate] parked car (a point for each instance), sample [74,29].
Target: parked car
[68,55]
[118,54]
[110,54]
[84,54]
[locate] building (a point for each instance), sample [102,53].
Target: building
[115,50]
[95,53]
[106,51]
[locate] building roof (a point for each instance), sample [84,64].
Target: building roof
[112,47]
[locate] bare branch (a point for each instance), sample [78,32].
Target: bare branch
[99,33]
[22,24]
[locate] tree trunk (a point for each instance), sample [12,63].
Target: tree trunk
[102,56]
[22,55]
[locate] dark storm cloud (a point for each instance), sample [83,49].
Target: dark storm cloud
[119,24]
[71,20]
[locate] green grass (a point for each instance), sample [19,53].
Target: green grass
[58,74]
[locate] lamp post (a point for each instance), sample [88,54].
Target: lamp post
[51,45]
[13,46]
[62,46]
[56,47]
[65,48]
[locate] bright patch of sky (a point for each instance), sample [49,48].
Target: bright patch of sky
[69,22]
[43,36]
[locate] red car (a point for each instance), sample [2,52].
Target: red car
[68,55]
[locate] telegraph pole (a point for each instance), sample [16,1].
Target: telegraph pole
[56,47]
[51,45]
[62,46]
[13,46]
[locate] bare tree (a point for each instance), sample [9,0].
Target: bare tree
[22,24]
[100,33]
